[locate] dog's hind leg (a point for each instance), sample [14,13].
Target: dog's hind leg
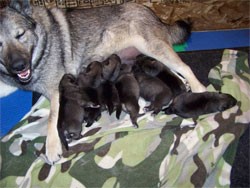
[163,52]
[53,143]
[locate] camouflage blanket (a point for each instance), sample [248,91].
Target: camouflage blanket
[165,151]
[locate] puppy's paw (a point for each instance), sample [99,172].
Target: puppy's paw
[53,150]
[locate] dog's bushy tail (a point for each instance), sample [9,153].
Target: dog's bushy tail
[180,31]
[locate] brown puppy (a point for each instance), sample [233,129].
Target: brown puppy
[156,69]
[110,72]
[97,81]
[191,105]
[152,89]
[89,81]
[129,92]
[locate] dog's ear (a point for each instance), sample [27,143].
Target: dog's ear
[21,6]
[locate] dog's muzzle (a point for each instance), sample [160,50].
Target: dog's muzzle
[22,71]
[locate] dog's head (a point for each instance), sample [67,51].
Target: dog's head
[17,41]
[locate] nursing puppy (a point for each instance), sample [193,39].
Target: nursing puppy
[129,93]
[110,72]
[152,89]
[155,68]
[90,82]
[71,112]
[110,96]
[96,81]
[191,105]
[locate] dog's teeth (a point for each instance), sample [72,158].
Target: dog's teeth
[24,75]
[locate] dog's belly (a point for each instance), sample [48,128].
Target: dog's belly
[128,54]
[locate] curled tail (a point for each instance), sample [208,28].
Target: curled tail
[180,31]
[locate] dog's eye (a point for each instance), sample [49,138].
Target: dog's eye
[20,34]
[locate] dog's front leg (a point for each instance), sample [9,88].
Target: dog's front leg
[53,143]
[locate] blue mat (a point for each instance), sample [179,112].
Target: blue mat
[13,108]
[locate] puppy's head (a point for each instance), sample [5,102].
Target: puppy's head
[92,75]
[111,67]
[68,80]
[70,120]
[149,65]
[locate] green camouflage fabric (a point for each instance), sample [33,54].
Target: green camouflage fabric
[165,151]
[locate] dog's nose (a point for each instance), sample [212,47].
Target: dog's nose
[17,61]
[19,65]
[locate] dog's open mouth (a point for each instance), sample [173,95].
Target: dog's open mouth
[24,76]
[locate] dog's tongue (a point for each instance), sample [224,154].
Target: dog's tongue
[24,74]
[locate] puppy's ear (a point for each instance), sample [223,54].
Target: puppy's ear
[115,57]
[21,6]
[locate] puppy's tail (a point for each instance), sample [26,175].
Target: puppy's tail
[180,31]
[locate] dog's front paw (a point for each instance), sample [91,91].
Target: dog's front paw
[53,150]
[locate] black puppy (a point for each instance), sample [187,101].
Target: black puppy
[129,92]
[110,72]
[97,80]
[152,89]
[191,105]
[71,112]
[89,81]
[156,69]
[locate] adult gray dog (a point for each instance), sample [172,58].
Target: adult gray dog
[38,46]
